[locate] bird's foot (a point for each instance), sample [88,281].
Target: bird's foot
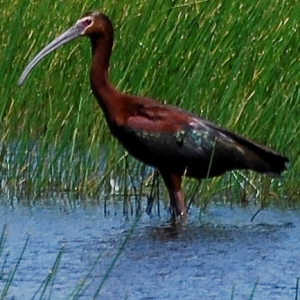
[178,214]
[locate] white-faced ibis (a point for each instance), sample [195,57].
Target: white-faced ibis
[176,142]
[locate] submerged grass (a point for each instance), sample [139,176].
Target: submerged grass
[46,288]
[235,63]
[11,274]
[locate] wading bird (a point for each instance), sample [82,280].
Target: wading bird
[176,142]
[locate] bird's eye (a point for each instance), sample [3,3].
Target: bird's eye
[86,22]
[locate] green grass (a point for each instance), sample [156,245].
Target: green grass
[234,63]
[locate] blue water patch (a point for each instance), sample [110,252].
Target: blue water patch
[221,253]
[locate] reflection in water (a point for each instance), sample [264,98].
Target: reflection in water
[161,260]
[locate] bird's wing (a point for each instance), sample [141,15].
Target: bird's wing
[165,132]
[166,136]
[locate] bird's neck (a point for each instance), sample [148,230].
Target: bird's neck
[107,96]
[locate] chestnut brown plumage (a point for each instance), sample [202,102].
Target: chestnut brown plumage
[174,141]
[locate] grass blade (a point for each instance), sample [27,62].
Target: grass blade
[13,272]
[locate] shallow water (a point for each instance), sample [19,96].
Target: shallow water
[198,259]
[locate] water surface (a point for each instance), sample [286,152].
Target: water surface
[198,259]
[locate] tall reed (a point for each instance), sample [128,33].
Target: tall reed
[235,63]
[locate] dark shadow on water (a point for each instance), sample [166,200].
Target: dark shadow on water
[193,229]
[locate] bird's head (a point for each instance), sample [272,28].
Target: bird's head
[92,24]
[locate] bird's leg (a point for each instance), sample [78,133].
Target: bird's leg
[173,184]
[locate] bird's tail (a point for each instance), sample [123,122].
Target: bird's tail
[262,159]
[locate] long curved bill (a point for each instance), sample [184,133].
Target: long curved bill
[72,33]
